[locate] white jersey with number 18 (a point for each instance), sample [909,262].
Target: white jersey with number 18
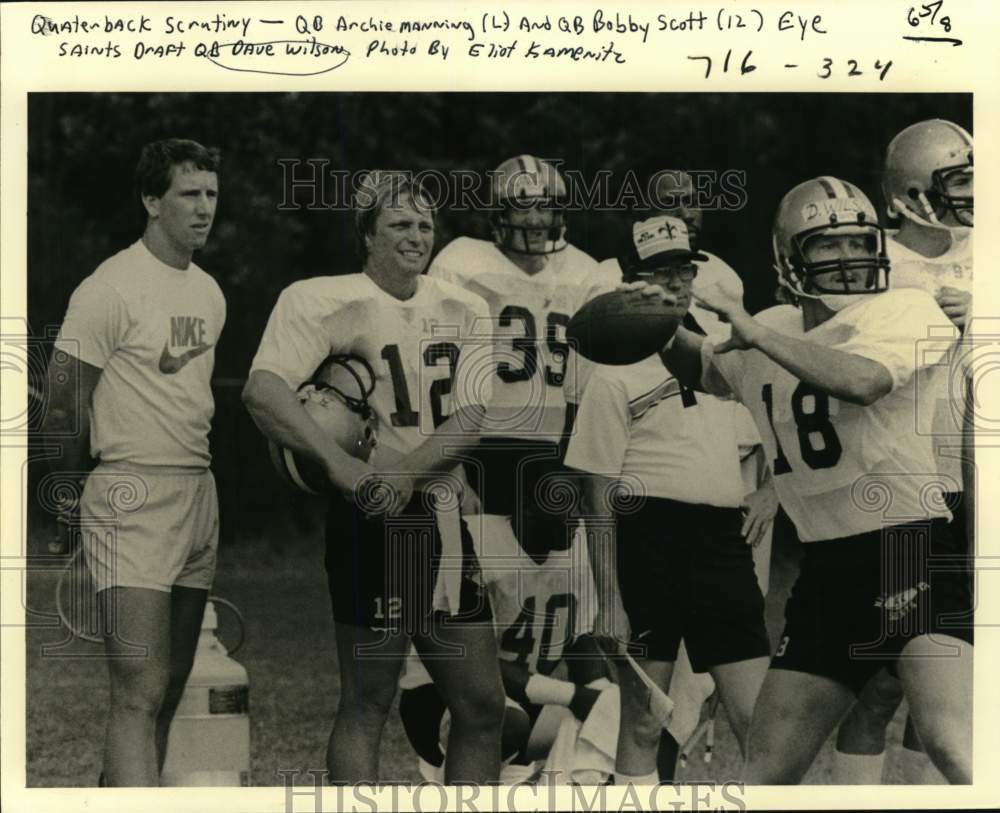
[842,469]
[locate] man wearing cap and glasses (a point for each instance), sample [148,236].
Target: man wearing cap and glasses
[676,564]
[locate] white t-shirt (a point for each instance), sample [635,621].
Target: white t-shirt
[530,313]
[943,401]
[426,351]
[152,329]
[637,423]
[841,469]
[607,277]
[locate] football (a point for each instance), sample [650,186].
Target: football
[622,327]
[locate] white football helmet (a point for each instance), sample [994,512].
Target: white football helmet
[520,183]
[919,163]
[827,206]
[336,397]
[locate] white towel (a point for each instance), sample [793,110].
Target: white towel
[585,754]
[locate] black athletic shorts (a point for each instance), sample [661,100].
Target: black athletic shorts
[382,572]
[526,480]
[859,600]
[684,571]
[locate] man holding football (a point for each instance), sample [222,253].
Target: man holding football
[928,184]
[673,195]
[831,386]
[670,559]
[131,375]
[398,570]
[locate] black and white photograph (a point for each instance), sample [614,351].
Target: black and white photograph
[342,466]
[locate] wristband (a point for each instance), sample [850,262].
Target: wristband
[543,691]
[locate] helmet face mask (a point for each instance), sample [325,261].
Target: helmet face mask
[841,274]
[531,199]
[928,175]
[828,244]
[351,381]
[941,198]
[511,232]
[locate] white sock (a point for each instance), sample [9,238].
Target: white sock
[857,769]
[622,779]
[916,768]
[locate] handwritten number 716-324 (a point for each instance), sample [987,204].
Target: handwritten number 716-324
[825,72]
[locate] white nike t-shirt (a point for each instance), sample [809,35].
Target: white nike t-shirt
[152,329]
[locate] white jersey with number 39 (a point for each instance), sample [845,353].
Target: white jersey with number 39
[530,313]
[842,469]
[425,351]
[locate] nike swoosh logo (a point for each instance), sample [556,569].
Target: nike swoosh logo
[170,364]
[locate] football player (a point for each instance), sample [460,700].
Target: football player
[672,561]
[831,386]
[542,614]
[131,374]
[532,279]
[927,183]
[398,568]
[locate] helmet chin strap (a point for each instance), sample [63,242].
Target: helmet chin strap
[955,234]
[900,209]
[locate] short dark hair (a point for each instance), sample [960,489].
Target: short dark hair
[158,158]
[376,190]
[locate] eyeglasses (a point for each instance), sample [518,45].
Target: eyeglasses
[684,273]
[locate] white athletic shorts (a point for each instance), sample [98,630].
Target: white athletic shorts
[150,526]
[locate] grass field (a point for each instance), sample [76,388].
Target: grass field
[280,586]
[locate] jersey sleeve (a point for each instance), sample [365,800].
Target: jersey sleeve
[601,432]
[95,323]
[294,342]
[220,299]
[903,332]
[578,373]
[476,360]
[443,268]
